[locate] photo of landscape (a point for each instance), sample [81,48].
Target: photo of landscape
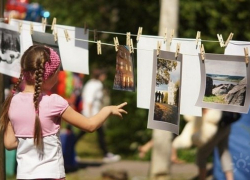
[167,90]
[225,83]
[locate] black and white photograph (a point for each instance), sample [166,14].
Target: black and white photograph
[164,110]
[224,85]
[11,48]
[124,77]
[9,45]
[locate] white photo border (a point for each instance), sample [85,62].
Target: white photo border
[153,124]
[223,107]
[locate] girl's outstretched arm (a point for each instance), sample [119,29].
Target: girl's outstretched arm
[91,124]
[10,140]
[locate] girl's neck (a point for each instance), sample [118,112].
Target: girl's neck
[29,88]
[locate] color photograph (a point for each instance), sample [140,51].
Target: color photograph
[124,76]
[164,112]
[167,91]
[224,83]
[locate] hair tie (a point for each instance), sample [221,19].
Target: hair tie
[37,111]
[13,91]
[51,65]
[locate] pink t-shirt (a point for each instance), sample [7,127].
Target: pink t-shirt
[22,114]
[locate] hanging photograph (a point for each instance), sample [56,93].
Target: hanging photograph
[46,39]
[10,50]
[164,110]
[124,76]
[224,83]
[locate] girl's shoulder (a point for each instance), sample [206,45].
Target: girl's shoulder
[56,99]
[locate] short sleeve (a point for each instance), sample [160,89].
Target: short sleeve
[57,105]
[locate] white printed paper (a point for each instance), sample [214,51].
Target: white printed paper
[191,75]
[237,48]
[74,56]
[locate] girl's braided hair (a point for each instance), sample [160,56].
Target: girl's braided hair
[33,64]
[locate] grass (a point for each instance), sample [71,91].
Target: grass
[214,99]
[87,147]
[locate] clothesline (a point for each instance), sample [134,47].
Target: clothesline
[115,33]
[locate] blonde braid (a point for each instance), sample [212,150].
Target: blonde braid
[36,99]
[18,82]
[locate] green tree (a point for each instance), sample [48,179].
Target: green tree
[212,18]
[163,68]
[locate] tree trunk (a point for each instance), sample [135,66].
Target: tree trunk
[162,140]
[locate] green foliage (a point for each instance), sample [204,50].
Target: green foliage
[212,18]
[209,17]
[163,68]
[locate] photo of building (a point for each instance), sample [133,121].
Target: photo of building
[124,77]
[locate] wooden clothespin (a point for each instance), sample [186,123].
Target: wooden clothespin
[55,34]
[220,38]
[165,35]
[53,24]
[131,47]
[44,22]
[128,39]
[178,46]
[99,48]
[66,35]
[95,35]
[20,26]
[246,55]
[158,48]
[202,52]
[116,43]
[85,28]
[230,37]
[172,35]
[198,37]
[139,33]
[31,28]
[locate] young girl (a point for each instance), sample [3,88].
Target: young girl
[31,119]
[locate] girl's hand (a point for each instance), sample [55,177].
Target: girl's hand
[117,110]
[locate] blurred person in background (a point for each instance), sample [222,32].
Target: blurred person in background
[219,140]
[93,97]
